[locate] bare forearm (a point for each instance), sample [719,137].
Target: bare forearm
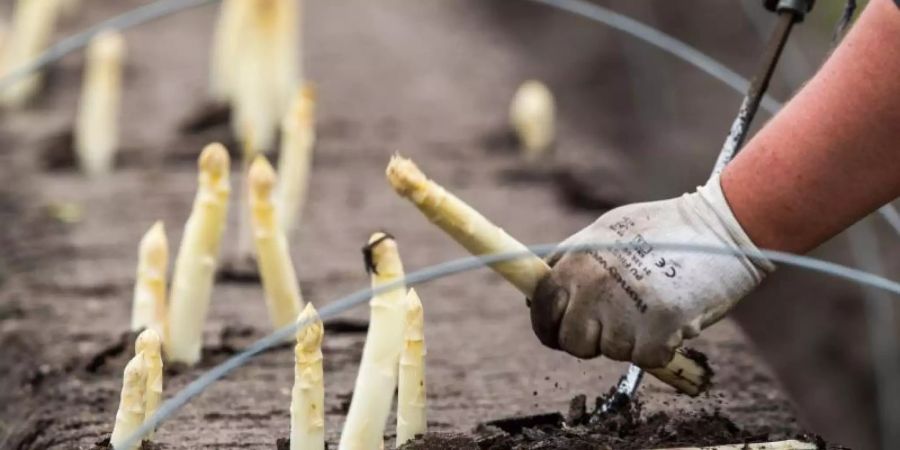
[833,154]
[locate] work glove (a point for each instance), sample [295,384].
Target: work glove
[639,301]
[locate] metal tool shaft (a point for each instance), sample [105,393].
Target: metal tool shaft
[631,380]
[758,87]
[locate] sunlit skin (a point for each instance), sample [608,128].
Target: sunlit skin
[832,156]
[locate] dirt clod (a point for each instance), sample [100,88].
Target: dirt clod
[204,117]
[442,441]
[577,410]
[625,428]
[515,425]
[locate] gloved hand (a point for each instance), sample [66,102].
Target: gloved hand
[639,302]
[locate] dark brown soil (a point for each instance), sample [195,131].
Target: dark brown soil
[430,79]
[624,429]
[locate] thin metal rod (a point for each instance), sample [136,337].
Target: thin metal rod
[631,380]
[758,87]
[686,53]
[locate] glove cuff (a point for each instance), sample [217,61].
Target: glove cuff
[712,195]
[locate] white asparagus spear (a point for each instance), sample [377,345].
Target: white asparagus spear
[411,395]
[298,137]
[97,123]
[225,55]
[195,265]
[780,445]
[532,115]
[266,70]
[377,377]
[149,309]
[148,345]
[308,395]
[32,27]
[130,415]
[279,280]
[687,373]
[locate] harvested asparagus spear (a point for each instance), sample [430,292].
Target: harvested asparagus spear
[195,264]
[275,266]
[149,309]
[298,136]
[130,415]
[32,27]
[411,395]
[377,377]
[308,395]
[780,445]
[532,115]
[97,125]
[687,372]
[147,346]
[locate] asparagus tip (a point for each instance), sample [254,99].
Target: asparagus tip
[404,176]
[108,45]
[147,341]
[262,175]
[369,250]
[304,103]
[309,337]
[155,244]
[415,317]
[214,159]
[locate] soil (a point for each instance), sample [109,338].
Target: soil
[429,79]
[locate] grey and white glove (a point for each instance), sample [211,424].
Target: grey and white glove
[637,302]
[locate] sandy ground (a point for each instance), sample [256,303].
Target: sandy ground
[430,79]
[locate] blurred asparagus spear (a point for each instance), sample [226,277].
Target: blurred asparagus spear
[532,115]
[97,124]
[265,69]
[225,51]
[688,373]
[149,310]
[298,136]
[32,27]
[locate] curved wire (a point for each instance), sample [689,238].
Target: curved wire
[453,267]
[663,41]
[689,55]
[137,16]
[581,8]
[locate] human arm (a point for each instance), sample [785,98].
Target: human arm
[827,160]
[832,155]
